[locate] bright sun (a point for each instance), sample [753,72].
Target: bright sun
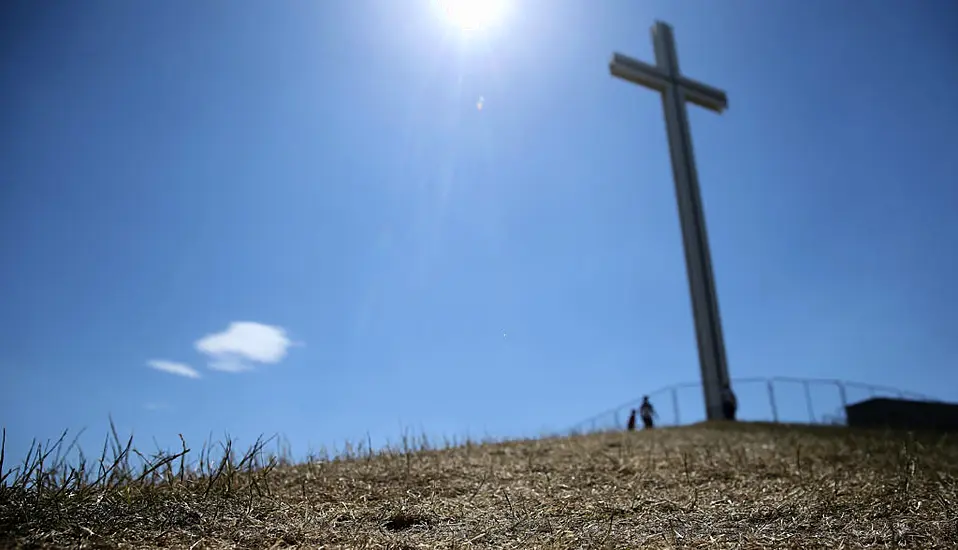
[470,15]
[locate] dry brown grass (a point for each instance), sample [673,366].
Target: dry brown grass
[706,486]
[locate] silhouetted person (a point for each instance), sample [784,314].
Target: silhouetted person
[729,403]
[631,425]
[646,412]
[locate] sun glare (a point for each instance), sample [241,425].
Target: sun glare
[471,15]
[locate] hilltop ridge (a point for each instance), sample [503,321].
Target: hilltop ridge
[714,485]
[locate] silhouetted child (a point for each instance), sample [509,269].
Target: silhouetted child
[646,412]
[729,403]
[631,425]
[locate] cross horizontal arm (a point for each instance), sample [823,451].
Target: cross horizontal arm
[639,72]
[703,95]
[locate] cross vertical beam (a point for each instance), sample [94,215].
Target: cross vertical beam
[676,89]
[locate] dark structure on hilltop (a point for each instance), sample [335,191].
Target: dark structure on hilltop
[884,412]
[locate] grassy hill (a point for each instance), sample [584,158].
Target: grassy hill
[704,486]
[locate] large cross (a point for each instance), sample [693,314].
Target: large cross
[676,89]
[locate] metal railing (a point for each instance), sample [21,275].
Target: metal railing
[807,402]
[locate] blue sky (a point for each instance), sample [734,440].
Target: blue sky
[302,204]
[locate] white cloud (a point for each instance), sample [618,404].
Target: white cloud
[178,369]
[243,344]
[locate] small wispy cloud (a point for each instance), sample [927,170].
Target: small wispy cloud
[244,344]
[179,369]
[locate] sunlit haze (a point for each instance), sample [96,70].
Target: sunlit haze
[471,15]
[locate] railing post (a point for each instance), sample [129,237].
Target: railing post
[771,400]
[617,425]
[844,397]
[675,405]
[808,402]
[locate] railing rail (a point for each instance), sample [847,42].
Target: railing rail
[778,407]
